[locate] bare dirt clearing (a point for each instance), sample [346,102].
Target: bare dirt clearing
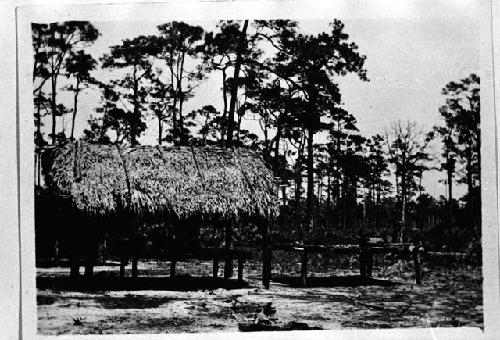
[450,296]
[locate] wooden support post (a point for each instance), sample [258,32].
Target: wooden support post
[228,242]
[123,263]
[266,266]
[134,267]
[362,263]
[89,269]
[74,271]
[172,268]
[416,260]
[240,269]
[215,269]
[134,251]
[124,254]
[91,254]
[369,263]
[303,268]
[266,256]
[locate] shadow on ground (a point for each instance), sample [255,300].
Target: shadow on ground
[180,283]
[334,281]
[187,283]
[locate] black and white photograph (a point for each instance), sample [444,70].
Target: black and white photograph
[234,174]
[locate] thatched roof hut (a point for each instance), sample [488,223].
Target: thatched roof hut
[158,181]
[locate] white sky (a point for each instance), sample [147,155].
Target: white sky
[408,62]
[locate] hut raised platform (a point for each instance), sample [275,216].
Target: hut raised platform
[122,187]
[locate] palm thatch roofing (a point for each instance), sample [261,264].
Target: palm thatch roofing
[157,181]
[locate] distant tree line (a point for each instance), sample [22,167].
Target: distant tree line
[342,187]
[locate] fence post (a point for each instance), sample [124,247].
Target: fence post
[266,255]
[363,258]
[228,244]
[416,260]
[240,269]
[134,267]
[303,268]
[369,262]
[215,268]
[172,268]
[123,263]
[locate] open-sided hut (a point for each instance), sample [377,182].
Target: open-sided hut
[145,183]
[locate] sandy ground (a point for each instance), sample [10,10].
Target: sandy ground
[450,296]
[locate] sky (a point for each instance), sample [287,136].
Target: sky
[408,62]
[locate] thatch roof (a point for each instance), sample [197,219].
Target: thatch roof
[158,180]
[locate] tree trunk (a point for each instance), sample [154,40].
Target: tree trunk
[328,200]
[234,89]
[160,127]
[310,182]
[353,202]
[470,200]
[228,244]
[319,200]
[403,207]
[75,108]
[320,189]
[345,189]
[238,126]
[450,196]
[298,189]
[470,185]
[133,127]
[173,94]
[53,79]
[420,188]
[283,194]
[38,114]
[224,112]
[377,207]
[53,107]
[398,191]
[277,141]
[182,134]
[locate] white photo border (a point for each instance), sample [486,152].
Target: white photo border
[33,11]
